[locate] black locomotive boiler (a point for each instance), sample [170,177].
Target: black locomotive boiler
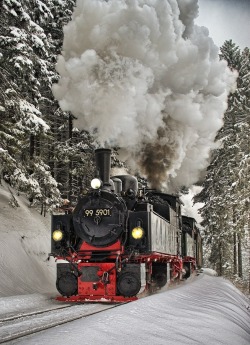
[120,240]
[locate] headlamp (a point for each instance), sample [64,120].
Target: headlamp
[96,183]
[137,233]
[57,235]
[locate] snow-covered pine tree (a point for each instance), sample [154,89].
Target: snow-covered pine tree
[28,55]
[226,187]
[241,187]
[20,94]
[70,152]
[38,141]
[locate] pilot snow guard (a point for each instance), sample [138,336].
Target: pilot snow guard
[121,241]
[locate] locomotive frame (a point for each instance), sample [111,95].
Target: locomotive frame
[121,241]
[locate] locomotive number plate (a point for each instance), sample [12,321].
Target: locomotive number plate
[101,212]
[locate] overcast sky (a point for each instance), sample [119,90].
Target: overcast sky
[226,19]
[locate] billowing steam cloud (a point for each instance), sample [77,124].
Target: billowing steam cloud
[140,75]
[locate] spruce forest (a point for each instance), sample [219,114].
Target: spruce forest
[43,155]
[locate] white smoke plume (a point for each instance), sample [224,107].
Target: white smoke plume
[140,75]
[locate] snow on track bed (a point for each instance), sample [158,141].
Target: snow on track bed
[14,327]
[25,314]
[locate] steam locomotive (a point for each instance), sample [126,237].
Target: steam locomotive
[121,241]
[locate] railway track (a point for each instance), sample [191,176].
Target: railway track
[21,325]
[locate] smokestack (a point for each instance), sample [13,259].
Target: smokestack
[103,164]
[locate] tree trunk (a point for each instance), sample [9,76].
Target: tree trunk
[32,151]
[37,146]
[239,257]
[220,260]
[32,146]
[235,253]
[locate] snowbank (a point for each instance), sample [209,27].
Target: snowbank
[209,271]
[24,248]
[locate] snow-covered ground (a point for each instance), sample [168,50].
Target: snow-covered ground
[205,310]
[24,248]
[208,310]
